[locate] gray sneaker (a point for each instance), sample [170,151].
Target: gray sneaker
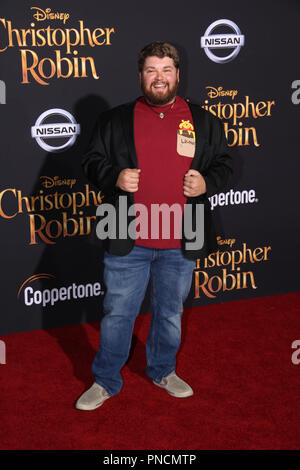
[175,386]
[94,397]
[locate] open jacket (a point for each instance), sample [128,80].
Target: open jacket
[112,149]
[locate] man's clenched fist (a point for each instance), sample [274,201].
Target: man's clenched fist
[193,184]
[128,180]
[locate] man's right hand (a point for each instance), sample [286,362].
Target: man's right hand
[128,180]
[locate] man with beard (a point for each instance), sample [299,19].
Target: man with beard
[157,151]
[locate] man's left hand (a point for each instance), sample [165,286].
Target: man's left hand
[193,184]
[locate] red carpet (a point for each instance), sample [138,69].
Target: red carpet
[236,356]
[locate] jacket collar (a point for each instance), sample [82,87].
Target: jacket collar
[199,123]
[127,119]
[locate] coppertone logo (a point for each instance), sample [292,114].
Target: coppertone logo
[47,297]
[234,41]
[66,130]
[233,198]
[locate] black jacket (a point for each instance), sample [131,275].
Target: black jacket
[112,149]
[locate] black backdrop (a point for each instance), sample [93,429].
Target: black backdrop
[257,222]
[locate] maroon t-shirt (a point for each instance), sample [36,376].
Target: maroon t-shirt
[165,148]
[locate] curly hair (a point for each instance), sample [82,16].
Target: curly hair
[159,49]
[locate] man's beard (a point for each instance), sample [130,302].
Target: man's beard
[157,98]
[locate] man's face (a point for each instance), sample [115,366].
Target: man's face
[159,80]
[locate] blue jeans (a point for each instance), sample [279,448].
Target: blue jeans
[126,279]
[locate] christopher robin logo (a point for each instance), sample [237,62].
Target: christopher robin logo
[186,139]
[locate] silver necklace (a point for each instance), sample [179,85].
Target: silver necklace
[162,115]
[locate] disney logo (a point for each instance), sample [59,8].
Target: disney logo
[49,182]
[228,241]
[42,15]
[216,92]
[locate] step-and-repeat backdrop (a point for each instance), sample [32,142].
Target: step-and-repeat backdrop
[64,62]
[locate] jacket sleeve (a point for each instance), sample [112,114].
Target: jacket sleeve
[221,164]
[97,163]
